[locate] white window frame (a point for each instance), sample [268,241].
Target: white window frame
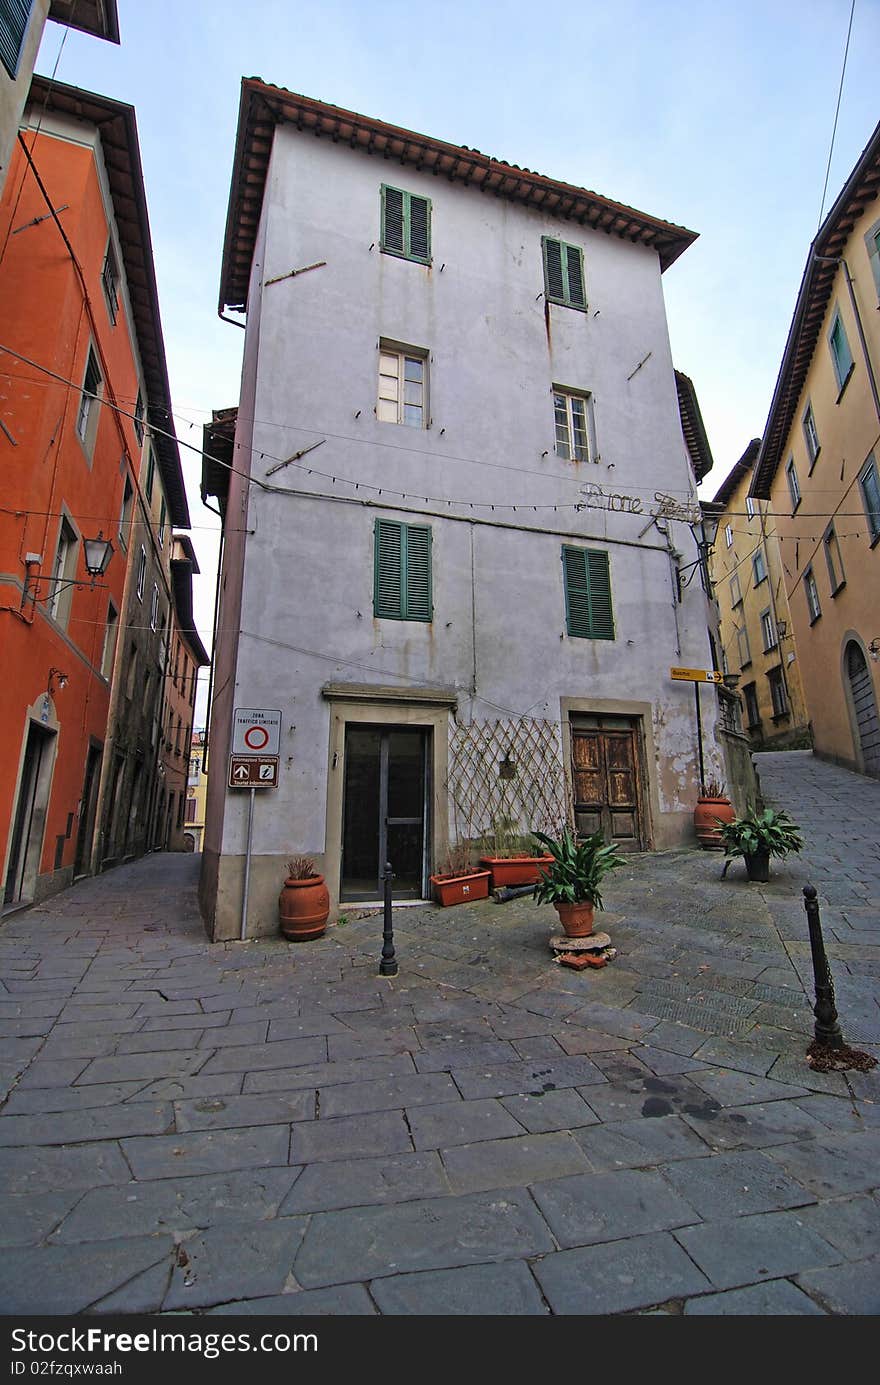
[778,693]
[811,435]
[759,567]
[872,507]
[750,507]
[397,368]
[794,487]
[154,607]
[736,595]
[110,281]
[63,572]
[728,535]
[840,374]
[111,630]
[743,647]
[834,560]
[768,631]
[90,398]
[125,512]
[141,574]
[811,592]
[574,424]
[163,516]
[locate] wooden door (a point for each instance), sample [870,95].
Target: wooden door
[606,785]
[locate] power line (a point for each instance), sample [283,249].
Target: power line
[837,111]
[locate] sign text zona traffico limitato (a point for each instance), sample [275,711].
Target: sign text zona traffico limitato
[256,731]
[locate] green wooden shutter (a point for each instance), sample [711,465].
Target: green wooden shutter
[418,572]
[574,263]
[554,283]
[587,593]
[419,227]
[392,220]
[388,580]
[14,15]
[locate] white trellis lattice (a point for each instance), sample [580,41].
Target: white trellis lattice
[507,778]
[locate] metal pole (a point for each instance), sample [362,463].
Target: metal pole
[247,864]
[699,734]
[827,1029]
[388,964]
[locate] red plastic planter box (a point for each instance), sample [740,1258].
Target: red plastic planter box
[515,870]
[458,889]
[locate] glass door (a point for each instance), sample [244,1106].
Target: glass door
[385,811]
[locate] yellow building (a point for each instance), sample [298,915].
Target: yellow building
[196,793]
[755,627]
[819,466]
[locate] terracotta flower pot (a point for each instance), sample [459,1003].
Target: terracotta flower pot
[458,889]
[515,870]
[303,908]
[576,919]
[706,815]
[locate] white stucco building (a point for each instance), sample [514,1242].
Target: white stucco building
[445,560]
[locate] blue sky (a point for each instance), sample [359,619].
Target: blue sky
[714,115]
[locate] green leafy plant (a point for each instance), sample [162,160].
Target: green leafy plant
[767,831]
[577,869]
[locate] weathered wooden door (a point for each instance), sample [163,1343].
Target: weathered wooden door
[606,784]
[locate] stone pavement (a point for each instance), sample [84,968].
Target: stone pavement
[271,1128]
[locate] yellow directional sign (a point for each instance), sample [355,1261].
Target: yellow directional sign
[696,675]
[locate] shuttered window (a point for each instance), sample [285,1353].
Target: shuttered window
[14,15]
[587,593]
[402,582]
[564,273]
[406,224]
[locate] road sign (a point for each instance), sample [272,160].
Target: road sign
[256,731]
[253,771]
[696,675]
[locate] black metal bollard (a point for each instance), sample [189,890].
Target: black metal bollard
[827,1029]
[388,964]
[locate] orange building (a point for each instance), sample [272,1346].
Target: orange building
[819,467]
[82,372]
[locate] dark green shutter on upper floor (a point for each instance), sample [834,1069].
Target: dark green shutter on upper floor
[14,15]
[406,224]
[564,273]
[402,575]
[587,578]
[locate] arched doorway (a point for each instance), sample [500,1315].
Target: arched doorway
[865,708]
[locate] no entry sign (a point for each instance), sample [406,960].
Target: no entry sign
[256,731]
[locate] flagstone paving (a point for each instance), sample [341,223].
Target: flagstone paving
[269,1128]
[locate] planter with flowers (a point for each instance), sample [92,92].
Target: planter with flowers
[458,881]
[304,902]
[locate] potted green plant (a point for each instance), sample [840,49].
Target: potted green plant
[304,902]
[758,836]
[458,881]
[713,808]
[571,881]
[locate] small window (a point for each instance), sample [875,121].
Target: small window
[406,224]
[870,488]
[574,425]
[742,643]
[151,473]
[750,507]
[794,489]
[778,695]
[759,567]
[154,608]
[139,415]
[109,640]
[736,595]
[564,273]
[110,280]
[14,16]
[402,387]
[841,355]
[87,414]
[402,571]
[125,513]
[587,577]
[163,514]
[141,574]
[812,594]
[768,630]
[811,437]
[753,715]
[131,675]
[834,561]
[60,592]
[728,535]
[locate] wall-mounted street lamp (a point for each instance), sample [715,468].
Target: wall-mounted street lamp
[705,534]
[97,554]
[874,648]
[57,679]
